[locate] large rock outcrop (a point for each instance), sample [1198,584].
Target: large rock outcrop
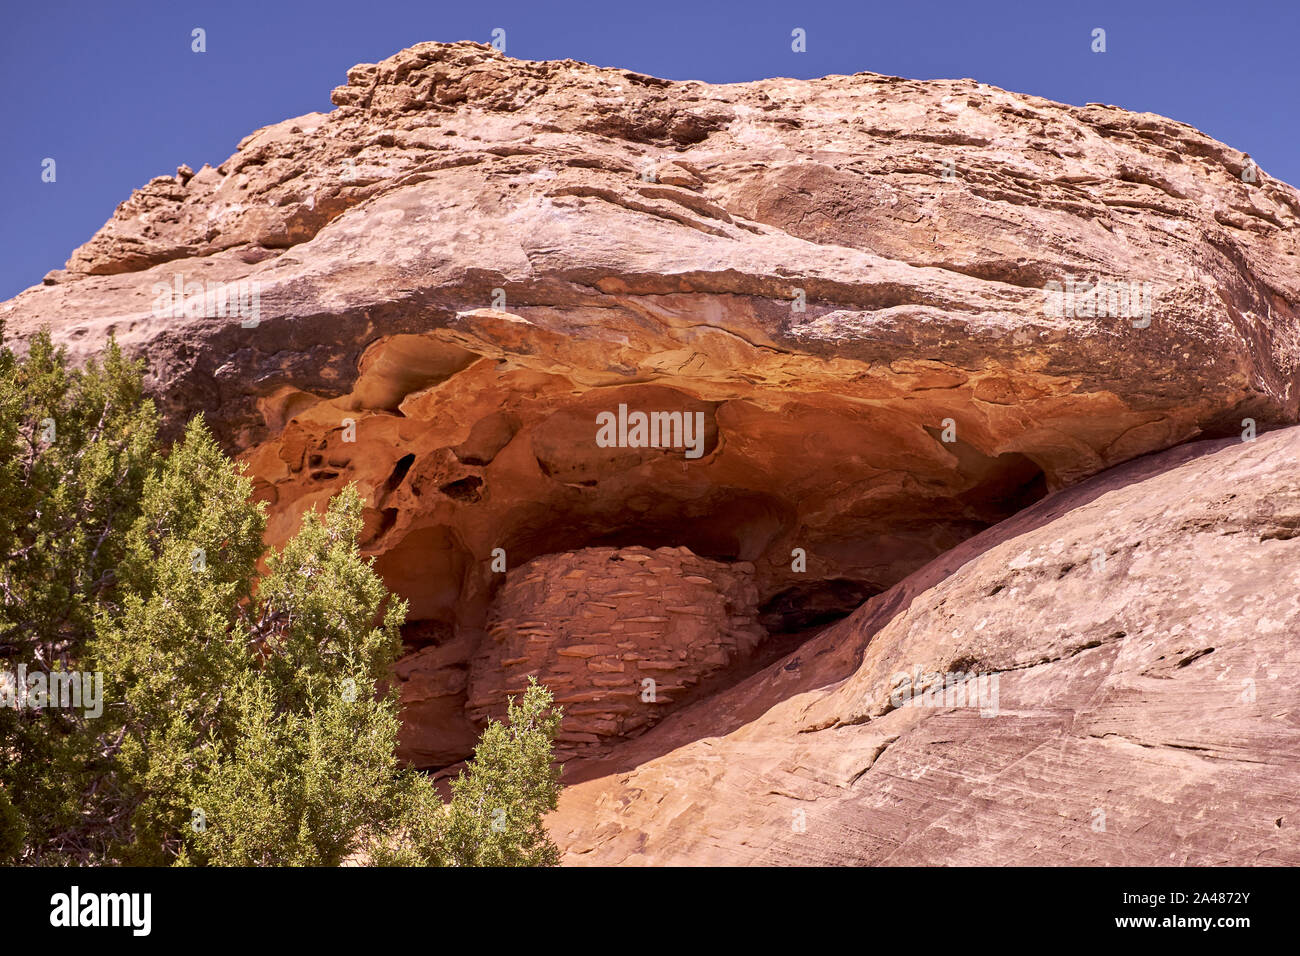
[1142,630]
[900,311]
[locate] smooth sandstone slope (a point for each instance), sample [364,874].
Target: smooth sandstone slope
[471,257]
[1144,627]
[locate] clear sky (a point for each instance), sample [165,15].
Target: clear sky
[111,90]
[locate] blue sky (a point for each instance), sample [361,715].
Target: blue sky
[111,90]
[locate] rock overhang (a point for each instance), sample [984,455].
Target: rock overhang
[848,277]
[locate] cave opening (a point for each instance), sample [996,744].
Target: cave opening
[544,491]
[813,606]
[724,524]
[1012,484]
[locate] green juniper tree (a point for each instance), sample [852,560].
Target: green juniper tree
[497,802]
[75,448]
[250,718]
[179,645]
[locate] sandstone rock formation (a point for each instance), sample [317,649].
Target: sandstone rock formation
[1143,627]
[436,290]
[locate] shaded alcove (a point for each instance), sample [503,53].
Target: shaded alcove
[427,567]
[1013,484]
[814,605]
[724,524]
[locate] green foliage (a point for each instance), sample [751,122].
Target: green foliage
[309,765]
[252,733]
[11,830]
[299,789]
[250,718]
[495,817]
[497,803]
[319,606]
[180,643]
[75,447]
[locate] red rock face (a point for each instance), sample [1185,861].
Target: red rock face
[903,312]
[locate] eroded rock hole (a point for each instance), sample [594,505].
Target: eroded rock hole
[1014,483]
[814,605]
[1000,485]
[398,474]
[463,489]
